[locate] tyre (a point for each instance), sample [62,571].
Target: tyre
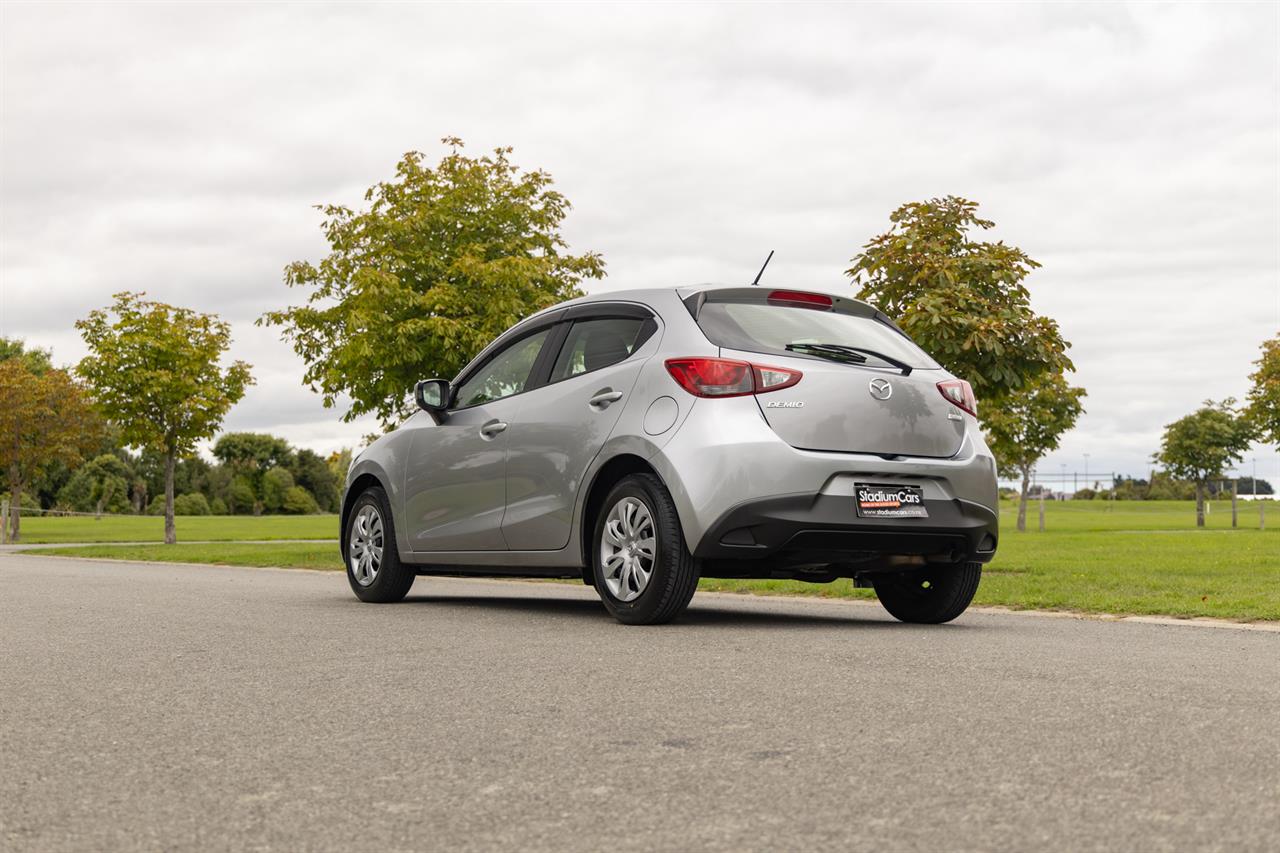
[374,569]
[643,572]
[929,595]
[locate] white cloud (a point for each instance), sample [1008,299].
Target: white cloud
[1134,150]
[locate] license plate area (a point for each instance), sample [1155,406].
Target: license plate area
[882,500]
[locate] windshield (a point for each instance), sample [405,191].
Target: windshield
[766,327]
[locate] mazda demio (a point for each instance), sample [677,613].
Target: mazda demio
[640,440]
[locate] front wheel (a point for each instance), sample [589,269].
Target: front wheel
[643,571]
[930,595]
[374,569]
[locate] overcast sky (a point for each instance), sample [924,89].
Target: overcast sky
[1133,150]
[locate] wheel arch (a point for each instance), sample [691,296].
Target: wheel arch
[605,479]
[355,489]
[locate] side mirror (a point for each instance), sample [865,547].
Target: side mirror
[432,395]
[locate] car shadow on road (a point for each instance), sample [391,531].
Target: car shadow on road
[700,613]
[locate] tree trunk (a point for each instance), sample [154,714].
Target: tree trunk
[1022,501]
[1233,503]
[1199,504]
[15,503]
[170,535]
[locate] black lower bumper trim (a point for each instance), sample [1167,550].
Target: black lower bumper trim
[796,529]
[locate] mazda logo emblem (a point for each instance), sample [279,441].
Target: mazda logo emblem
[881,389]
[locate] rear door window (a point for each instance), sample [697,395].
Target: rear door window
[769,327]
[595,344]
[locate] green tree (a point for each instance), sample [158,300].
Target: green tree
[191,504]
[36,360]
[101,485]
[241,498]
[1264,396]
[962,300]
[156,373]
[311,472]
[1028,424]
[45,419]
[444,259]
[190,473]
[339,463]
[252,454]
[1202,445]
[298,501]
[275,483]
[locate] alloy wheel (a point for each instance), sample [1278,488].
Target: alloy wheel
[628,546]
[366,545]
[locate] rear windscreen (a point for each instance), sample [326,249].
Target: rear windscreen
[770,327]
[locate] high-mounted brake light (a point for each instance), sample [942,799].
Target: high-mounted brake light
[726,377]
[800,299]
[959,393]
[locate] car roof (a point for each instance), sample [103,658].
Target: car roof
[646,294]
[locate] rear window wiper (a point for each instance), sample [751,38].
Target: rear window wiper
[856,355]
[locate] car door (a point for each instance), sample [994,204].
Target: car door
[455,476]
[563,424]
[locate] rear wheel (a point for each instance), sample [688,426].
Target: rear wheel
[643,571]
[374,569]
[929,595]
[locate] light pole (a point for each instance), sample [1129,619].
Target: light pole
[1086,471]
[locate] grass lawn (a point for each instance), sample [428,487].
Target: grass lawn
[150,528]
[1134,557]
[287,555]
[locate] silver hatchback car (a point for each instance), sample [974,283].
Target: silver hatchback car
[640,440]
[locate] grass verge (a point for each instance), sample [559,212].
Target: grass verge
[285,555]
[150,528]
[1224,574]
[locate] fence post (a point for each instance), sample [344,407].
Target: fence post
[1233,502]
[1042,509]
[4,522]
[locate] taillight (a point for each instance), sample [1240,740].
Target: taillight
[959,393]
[800,299]
[725,377]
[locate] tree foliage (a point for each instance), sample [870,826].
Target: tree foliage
[36,360]
[155,370]
[45,419]
[298,501]
[252,454]
[1264,395]
[1202,445]
[339,463]
[101,485]
[1029,423]
[275,483]
[444,259]
[312,473]
[963,300]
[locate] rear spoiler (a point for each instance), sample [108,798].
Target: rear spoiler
[749,295]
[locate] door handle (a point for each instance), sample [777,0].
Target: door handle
[492,428]
[603,398]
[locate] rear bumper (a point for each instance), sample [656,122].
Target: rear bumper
[804,529]
[727,469]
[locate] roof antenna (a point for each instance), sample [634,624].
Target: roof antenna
[766,263]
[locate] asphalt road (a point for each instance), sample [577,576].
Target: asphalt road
[178,707]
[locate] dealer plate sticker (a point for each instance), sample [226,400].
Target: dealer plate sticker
[880,501]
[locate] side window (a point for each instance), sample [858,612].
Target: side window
[593,344]
[505,374]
